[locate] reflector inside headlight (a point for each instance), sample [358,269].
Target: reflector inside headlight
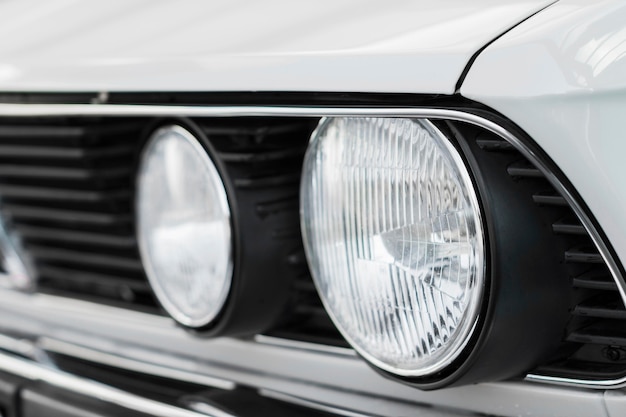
[183,226]
[394,239]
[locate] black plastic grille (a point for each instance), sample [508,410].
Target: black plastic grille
[67,190]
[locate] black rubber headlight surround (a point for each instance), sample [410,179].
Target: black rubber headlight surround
[415,247]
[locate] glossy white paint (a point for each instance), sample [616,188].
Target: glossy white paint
[418,46]
[561,76]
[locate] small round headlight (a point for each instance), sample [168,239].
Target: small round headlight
[183,227]
[395,241]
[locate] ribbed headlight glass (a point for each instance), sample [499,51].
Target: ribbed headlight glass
[394,239]
[183,226]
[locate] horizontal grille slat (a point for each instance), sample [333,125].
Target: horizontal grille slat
[599,334]
[250,157]
[600,312]
[569,226]
[58,173]
[76,257]
[601,280]
[266,208]
[66,216]
[60,194]
[524,169]
[493,144]
[63,236]
[549,198]
[87,277]
[273,181]
[47,132]
[250,129]
[583,255]
[61,153]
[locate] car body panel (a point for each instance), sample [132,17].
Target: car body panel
[347,45]
[561,77]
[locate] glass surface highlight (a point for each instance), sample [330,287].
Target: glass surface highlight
[17,269]
[394,239]
[183,227]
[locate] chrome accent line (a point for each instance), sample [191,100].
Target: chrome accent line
[91,355]
[17,346]
[106,110]
[203,407]
[26,110]
[307,346]
[292,399]
[35,372]
[25,348]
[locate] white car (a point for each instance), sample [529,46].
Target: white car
[332,208]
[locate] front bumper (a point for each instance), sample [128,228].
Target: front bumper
[53,333]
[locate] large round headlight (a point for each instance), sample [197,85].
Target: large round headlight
[394,237]
[183,227]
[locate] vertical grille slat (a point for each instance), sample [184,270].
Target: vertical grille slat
[62,236]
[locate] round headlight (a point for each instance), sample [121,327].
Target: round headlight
[183,227]
[394,237]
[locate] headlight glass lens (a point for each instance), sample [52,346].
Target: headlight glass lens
[394,239]
[183,227]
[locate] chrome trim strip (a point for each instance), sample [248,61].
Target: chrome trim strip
[35,372]
[17,346]
[26,110]
[116,361]
[203,407]
[292,399]
[310,347]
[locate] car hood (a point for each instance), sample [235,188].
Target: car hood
[229,45]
